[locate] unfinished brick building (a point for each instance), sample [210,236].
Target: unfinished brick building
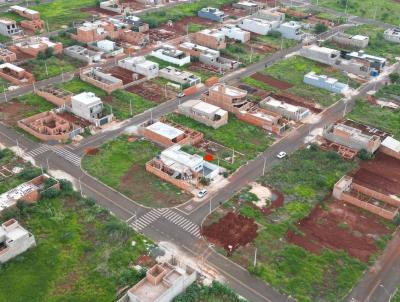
[34,23]
[373,201]
[55,95]
[15,74]
[100,79]
[235,100]
[34,45]
[48,126]
[7,55]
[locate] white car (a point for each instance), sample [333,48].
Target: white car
[202,193]
[281,155]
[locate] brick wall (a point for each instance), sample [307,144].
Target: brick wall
[53,99]
[390,152]
[376,195]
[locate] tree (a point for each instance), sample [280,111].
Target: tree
[320,28]
[365,155]
[394,78]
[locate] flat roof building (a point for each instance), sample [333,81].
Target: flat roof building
[14,240]
[392,34]
[35,45]
[291,112]
[9,28]
[89,107]
[291,30]
[15,74]
[212,38]
[236,33]
[171,55]
[355,41]
[258,26]
[25,12]
[182,77]
[83,54]
[103,80]
[213,14]
[325,82]
[140,65]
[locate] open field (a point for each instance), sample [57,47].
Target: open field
[118,102]
[292,70]
[383,118]
[55,66]
[216,292]
[389,92]
[304,179]
[82,254]
[396,297]
[121,165]
[241,52]
[377,46]
[231,136]
[383,10]
[25,106]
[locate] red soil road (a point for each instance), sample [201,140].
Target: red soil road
[231,230]
[321,230]
[271,81]
[381,174]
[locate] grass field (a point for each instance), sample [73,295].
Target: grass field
[305,178]
[119,102]
[36,104]
[83,253]
[293,69]
[232,136]
[383,10]
[396,297]
[194,27]
[377,46]
[274,41]
[121,165]
[382,118]
[55,66]
[241,53]
[389,91]
[216,292]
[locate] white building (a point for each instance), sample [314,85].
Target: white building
[392,34]
[356,41]
[171,55]
[109,47]
[140,65]
[83,54]
[233,32]
[324,82]
[14,240]
[323,55]
[11,197]
[292,112]
[181,77]
[271,14]
[258,26]
[291,30]
[87,105]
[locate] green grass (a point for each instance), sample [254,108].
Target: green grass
[241,53]
[121,165]
[178,12]
[377,46]
[389,92]
[55,66]
[384,10]
[82,254]
[274,41]
[4,39]
[396,297]
[293,69]
[305,178]
[382,118]
[216,292]
[194,27]
[12,16]
[258,84]
[119,102]
[36,104]
[231,135]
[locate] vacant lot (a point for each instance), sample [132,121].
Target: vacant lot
[305,179]
[383,10]
[236,135]
[216,292]
[119,102]
[389,92]
[292,70]
[23,107]
[121,165]
[55,66]
[383,118]
[82,254]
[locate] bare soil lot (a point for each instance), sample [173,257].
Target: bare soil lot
[271,81]
[153,92]
[340,227]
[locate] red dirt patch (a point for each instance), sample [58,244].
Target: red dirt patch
[13,111]
[381,174]
[94,10]
[271,81]
[124,75]
[340,227]
[152,92]
[231,231]
[91,151]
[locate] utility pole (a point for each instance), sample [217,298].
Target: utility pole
[255,258]
[130,106]
[345,108]
[5,94]
[265,163]
[45,65]
[345,10]
[210,204]
[80,186]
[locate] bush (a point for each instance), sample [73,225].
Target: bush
[204,181]
[275,34]
[50,193]
[29,173]
[65,185]
[396,219]
[365,155]
[320,28]
[394,78]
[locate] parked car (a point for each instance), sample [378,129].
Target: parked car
[202,193]
[281,155]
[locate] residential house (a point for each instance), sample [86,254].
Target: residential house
[15,74]
[236,33]
[163,282]
[57,96]
[205,113]
[270,14]
[95,31]
[83,54]
[35,45]
[89,107]
[171,55]
[136,24]
[390,146]
[248,6]
[213,14]
[325,82]
[320,54]
[392,34]
[108,48]
[258,26]
[351,137]
[212,38]
[33,23]
[291,112]
[100,79]
[14,240]
[9,28]
[140,65]
[356,41]
[182,77]
[291,30]
[377,63]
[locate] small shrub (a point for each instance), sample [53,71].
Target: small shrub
[365,155]
[50,193]
[204,181]
[65,185]
[320,28]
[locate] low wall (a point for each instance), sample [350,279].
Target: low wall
[204,120]
[106,87]
[53,99]
[377,195]
[176,182]
[389,152]
[369,207]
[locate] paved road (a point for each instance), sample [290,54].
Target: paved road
[171,225]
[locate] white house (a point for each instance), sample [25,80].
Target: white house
[255,25]
[324,82]
[233,32]
[320,54]
[292,112]
[87,105]
[291,30]
[110,48]
[172,55]
[14,240]
[392,35]
[140,65]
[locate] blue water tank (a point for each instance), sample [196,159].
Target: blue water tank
[374,73]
